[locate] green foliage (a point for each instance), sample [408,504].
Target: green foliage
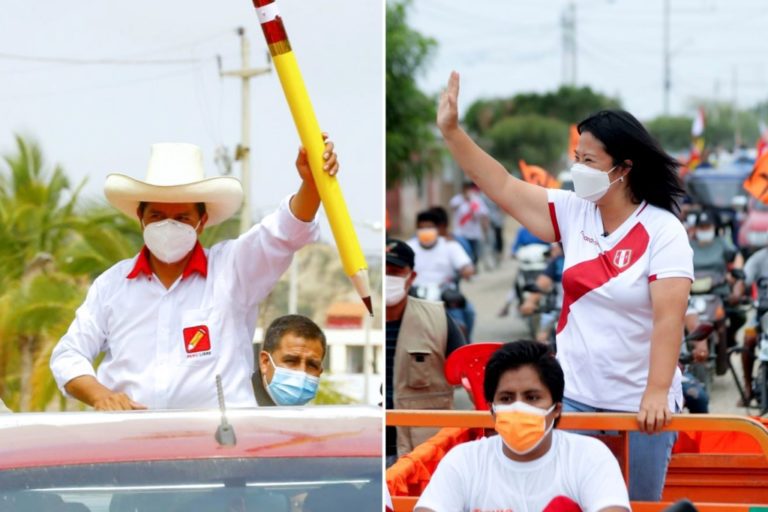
[410,114]
[51,250]
[568,104]
[533,138]
[723,122]
[673,132]
[327,394]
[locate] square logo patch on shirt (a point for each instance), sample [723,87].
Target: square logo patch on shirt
[197,339]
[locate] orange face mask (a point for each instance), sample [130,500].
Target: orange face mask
[427,236]
[522,426]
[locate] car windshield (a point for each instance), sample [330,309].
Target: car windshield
[206,485]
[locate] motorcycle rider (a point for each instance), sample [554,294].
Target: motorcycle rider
[715,254]
[755,270]
[439,260]
[550,279]
[440,265]
[522,239]
[443,220]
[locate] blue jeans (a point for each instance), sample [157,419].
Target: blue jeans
[648,456]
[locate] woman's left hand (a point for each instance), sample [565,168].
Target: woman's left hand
[654,412]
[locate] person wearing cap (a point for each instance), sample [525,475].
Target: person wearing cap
[715,255]
[172,318]
[420,335]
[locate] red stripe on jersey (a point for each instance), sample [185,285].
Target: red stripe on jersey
[589,275]
[652,278]
[555,226]
[473,208]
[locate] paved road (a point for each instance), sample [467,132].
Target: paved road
[488,290]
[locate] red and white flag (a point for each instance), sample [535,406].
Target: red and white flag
[697,129]
[762,140]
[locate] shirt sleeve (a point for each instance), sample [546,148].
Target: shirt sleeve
[563,207]
[459,257]
[670,253]
[753,265]
[263,253]
[446,490]
[600,482]
[73,355]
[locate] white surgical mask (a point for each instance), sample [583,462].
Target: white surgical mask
[395,290]
[170,240]
[705,235]
[591,184]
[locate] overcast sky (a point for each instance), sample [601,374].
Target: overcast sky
[503,47]
[100,118]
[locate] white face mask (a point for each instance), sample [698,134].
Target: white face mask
[395,290]
[706,235]
[170,240]
[591,184]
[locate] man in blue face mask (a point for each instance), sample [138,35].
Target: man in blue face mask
[290,362]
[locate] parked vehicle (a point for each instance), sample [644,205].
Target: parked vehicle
[282,460]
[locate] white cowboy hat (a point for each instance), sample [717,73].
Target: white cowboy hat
[175,175]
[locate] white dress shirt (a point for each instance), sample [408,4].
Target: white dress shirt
[164,347]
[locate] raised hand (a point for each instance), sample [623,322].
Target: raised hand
[447,110]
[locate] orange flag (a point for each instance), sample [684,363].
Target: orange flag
[573,141]
[536,175]
[757,182]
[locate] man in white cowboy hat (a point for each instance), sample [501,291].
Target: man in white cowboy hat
[176,315]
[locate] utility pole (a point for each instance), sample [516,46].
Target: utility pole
[245,73]
[735,107]
[568,26]
[667,78]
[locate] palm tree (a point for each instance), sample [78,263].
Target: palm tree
[49,253]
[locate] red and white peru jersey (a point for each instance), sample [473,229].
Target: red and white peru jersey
[604,332]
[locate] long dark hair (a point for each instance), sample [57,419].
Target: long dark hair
[654,176]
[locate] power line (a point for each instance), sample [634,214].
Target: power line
[111,85]
[97,62]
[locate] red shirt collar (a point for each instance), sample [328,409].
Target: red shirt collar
[198,262]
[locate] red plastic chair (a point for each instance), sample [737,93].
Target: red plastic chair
[466,366]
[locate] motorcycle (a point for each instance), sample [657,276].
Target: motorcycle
[759,389]
[531,260]
[711,309]
[696,372]
[548,312]
[760,383]
[456,304]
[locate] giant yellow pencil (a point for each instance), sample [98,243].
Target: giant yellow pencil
[311,137]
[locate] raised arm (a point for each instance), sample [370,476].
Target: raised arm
[525,202]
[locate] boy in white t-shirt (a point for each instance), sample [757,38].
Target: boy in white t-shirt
[529,466]
[439,261]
